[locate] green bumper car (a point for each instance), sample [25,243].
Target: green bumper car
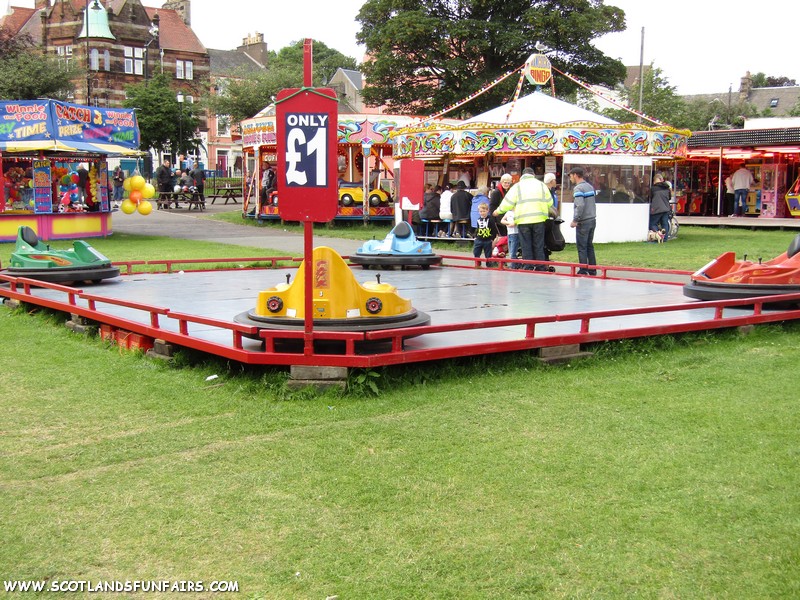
[34,259]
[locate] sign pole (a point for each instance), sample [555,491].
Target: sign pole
[306,124]
[308,227]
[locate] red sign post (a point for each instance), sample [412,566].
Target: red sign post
[306,121]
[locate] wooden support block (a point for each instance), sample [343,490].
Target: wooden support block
[555,355]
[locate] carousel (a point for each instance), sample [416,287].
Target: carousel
[540,131]
[365,165]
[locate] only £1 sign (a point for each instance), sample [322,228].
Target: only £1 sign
[306,120]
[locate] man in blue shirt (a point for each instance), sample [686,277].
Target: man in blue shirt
[584,219]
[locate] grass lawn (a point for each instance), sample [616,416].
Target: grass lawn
[662,468]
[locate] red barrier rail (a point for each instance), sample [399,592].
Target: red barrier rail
[89,305]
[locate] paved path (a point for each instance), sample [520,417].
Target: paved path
[193,225]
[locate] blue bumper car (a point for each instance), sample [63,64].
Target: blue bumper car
[400,248]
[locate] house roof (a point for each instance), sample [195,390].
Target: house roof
[17,17]
[173,33]
[539,107]
[231,63]
[354,77]
[762,98]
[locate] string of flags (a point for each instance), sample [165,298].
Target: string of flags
[484,89]
[516,95]
[610,100]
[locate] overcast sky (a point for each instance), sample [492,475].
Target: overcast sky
[702,46]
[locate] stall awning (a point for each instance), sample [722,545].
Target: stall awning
[54,126]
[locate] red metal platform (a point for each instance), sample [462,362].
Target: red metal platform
[473,311]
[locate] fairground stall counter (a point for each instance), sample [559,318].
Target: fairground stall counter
[54,176]
[364,146]
[550,135]
[768,148]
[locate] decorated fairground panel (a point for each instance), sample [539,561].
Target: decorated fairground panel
[364,146]
[532,137]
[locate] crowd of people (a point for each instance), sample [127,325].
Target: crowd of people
[521,213]
[189,181]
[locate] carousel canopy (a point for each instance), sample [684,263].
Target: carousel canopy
[541,108]
[537,124]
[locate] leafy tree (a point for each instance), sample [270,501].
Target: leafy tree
[761,80]
[245,93]
[425,55]
[164,125]
[26,74]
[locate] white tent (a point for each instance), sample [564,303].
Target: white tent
[541,108]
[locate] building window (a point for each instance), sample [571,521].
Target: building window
[134,60]
[106,61]
[184,69]
[64,55]
[773,103]
[223,125]
[94,59]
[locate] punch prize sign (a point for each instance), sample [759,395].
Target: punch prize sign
[306,121]
[538,69]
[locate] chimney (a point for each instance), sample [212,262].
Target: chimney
[255,47]
[745,87]
[182,7]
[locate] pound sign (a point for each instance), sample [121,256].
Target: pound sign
[293,157]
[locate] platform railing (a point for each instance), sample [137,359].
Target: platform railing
[89,305]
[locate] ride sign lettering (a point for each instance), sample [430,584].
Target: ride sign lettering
[306,121]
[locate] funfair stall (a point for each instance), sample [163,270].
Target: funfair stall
[54,176]
[364,147]
[550,135]
[768,148]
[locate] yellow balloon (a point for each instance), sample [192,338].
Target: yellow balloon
[127,207]
[145,207]
[126,184]
[148,191]
[137,182]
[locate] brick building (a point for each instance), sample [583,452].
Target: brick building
[121,43]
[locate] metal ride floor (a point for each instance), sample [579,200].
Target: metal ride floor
[450,295]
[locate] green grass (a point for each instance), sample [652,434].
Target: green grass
[656,469]
[659,468]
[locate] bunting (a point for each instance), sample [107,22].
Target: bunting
[516,96]
[610,100]
[484,89]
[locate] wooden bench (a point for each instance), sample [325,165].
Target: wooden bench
[167,199]
[228,193]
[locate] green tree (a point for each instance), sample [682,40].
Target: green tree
[164,124]
[659,100]
[245,93]
[425,55]
[27,74]
[761,80]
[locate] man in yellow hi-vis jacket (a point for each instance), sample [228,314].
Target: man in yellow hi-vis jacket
[532,203]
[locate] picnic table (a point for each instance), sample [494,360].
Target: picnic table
[167,199]
[228,192]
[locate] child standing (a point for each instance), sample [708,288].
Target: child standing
[513,237]
[485,232]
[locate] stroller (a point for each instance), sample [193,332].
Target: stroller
[500,247]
